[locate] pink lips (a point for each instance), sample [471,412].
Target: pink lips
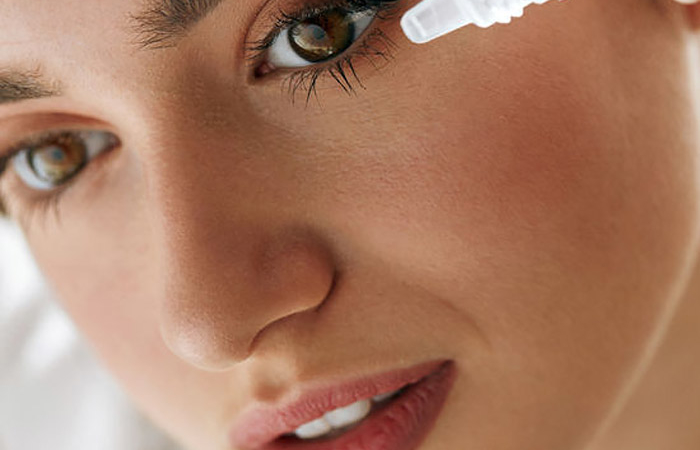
[259,427]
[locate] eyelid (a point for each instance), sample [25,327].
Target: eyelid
[20,129]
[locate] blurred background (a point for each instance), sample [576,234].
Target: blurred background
[54,394]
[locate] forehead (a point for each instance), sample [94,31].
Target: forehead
[51,24]
[143,23]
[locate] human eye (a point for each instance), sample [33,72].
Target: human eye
[323,40]
[47,163]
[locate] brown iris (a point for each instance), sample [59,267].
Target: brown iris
[58,160]
[323,36]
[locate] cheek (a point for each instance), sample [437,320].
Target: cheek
[533,183]
[566,238]
[97,259]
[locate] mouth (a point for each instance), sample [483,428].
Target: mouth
[393,411]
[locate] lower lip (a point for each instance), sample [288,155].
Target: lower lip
[402,424]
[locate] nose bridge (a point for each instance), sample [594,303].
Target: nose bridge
[230,264]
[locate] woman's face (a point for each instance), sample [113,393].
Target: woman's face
[521,200]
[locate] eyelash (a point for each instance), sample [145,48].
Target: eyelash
[373,43]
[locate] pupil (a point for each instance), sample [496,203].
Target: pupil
[318,32]
[322,37]
[57,154]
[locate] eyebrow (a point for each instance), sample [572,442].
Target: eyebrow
[17,85]
[163,23]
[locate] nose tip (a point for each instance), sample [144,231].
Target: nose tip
[212,314]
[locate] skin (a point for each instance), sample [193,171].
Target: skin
[522,199]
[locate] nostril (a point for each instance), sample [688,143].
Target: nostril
[281,321]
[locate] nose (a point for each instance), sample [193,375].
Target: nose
[231,262]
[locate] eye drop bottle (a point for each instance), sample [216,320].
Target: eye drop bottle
[430,19]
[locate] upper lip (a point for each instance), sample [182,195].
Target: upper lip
[262,424]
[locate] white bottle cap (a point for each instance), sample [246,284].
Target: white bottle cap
[430,19]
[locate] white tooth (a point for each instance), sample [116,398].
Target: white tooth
[313,429]
[382,397]
[349,414]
